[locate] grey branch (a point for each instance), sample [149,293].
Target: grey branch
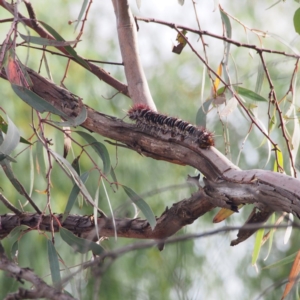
[127,32]
[40,288]
[226,185]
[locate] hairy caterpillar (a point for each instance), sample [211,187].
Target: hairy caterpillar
[155,123]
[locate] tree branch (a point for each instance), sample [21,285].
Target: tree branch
[136,79]
[41,288]
[171,220]
[97,71]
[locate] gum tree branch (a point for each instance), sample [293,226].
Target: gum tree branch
[96,70]
[225,186]
[40,288]
[127,32]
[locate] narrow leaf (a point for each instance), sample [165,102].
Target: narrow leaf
[289,228]
[69,170]
[82,10]
[69,49]
[250,94]
[287,260]
[293,275]
[217,80]
[78,244]
[257,245]
[99,148]
[114,177]
[35,101]
[142,205]
[45,42]
[74,121]
[54,264]
[271,235]
[40,160]
[201,113]
[11,139]
[73,195]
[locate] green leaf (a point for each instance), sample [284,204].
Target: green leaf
[271,235]
[244,92]
[4,127]
[142,205]
[73,195]
[287,260]
[69,49]
[82,10]
[227,24]
[99,148]
[5,164]
[257,245]
[36,102]
[114,177]
[78,244]
[278,163]
[11,139]
[297,20]
[76,165]
[15,233]
[202,113]
[249,94]
[54,264]
[45,42]
[14,250]
[69,170]
[40,160]
[74,122]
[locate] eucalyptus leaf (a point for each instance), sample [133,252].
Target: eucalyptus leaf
[78,244]
[45,42]
[142,205]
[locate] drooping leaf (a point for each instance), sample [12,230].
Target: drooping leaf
[249,94]
[36,102]
[73,195]
[257,245]
[78,244]
[40,160]
[69,49]
[142,205]
[99,148]
[3,128]
[82,10]
[217,80]
[293,276]
[5,164]
[114,177]
[202,112]
[45,42]
[73,122]
[271,235]
[110,208]
[278,163]
[11,139]
[287,260]
[54,264]
[69,170]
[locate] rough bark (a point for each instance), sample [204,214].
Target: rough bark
[225,186]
